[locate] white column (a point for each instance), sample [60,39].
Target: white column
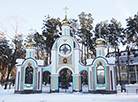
[76,60]
[90,81]
[40,80]
[54,61]
[18,79]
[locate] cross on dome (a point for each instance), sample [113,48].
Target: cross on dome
[65,9]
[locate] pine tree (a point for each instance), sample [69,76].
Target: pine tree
[131,30]
[51,31]
[5,52]
[85,32]
[17,52]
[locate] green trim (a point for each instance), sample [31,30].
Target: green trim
[97,85]
[74,83]
[72,46]
[33,55]
[81,68]
[33,74]
[30,53]
[56,84]
[100,53]
[48,68]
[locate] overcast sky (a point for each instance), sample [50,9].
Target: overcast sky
[30,13]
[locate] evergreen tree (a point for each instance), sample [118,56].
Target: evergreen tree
[116,35]
[111,31]
[101,30]
[73,27]
[5,51]
[38,38]
[131,30]
[85,32]
[18,51]
[51,31]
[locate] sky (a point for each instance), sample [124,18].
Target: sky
[26,15]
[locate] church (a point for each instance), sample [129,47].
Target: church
[65,70]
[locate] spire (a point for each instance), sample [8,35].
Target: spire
[65,24]
[99,35]
[65,21]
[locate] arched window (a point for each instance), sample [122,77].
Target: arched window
[29,75]
[100,75]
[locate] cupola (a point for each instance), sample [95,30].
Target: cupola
[30,49]
[100,47]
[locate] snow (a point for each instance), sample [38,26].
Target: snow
[40,62]
[89,61]
[19,61]
[9,96]
[111,60]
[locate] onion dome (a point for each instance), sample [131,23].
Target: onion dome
[100,41]
[65,21]
[30,44]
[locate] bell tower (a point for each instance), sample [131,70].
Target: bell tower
[30,49]
[65,24]
[100,47]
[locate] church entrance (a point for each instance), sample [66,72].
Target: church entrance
[84,81]
[65,80]
[46,81]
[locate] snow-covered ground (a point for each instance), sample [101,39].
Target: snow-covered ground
[9,96]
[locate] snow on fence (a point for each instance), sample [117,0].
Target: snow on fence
[132,88]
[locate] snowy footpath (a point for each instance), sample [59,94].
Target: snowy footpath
[9,96]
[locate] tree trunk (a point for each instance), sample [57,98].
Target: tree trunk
[3,72]
[37,52]
[46,59]
[87,52]
[10,68]
[108,49]
[82,53]
[128,65]
[85,57]
[119,70]
[116,67]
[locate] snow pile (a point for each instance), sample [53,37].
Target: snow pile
[9,96]
[131,88]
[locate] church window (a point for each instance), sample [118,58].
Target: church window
[100,75]
[74,44]
[29,75]
[65,49]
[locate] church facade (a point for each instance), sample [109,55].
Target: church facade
[65,70]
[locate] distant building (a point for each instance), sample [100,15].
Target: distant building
[128,65]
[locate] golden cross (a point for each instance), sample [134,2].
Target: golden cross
[66,10]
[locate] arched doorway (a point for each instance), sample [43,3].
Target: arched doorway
[65,80]
[46,81]
[84,80]
[29,75]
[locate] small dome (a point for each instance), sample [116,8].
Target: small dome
[30,44]
[65,21]
[100,41]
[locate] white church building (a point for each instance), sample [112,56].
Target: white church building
[66,61]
